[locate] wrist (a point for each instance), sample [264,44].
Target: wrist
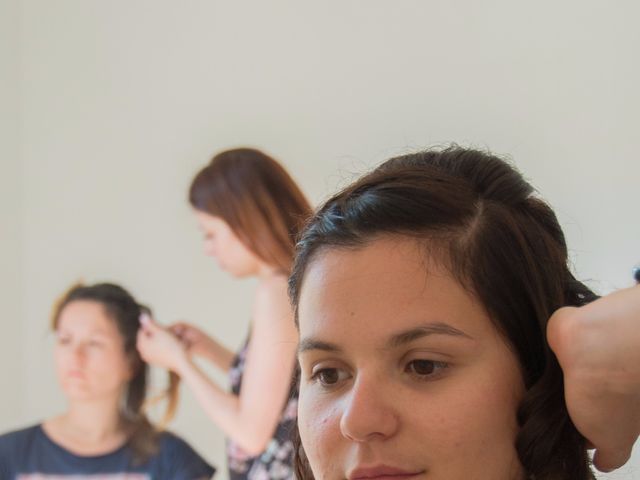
[183,364]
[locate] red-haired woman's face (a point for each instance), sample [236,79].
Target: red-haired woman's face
[221,243]
[403,374]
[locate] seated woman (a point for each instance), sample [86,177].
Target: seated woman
[429,348]
[104,434]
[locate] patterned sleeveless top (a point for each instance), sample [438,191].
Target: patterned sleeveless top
[276,462]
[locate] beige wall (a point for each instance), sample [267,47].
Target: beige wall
[122,101]
[11,219]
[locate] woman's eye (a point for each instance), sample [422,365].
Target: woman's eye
[425,368]
[64,340]
[329,376]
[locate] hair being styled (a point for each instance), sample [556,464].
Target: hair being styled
[124,311]
[256,196]
[476,215]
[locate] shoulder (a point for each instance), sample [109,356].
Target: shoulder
[272,312]
[272,296]
[177,455]
[170,441]
[17,449]
[18,440]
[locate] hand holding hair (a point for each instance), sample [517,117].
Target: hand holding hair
[158,346]
[194,340]
[598,347]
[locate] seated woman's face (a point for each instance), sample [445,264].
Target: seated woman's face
[90,360]
[403,374]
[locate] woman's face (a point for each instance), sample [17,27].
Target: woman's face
[221,243]
[403,374]
[89,355]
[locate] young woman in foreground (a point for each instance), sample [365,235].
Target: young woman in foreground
[250,212]
[425,296]
[104,434]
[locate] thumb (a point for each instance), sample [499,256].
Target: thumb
[608,461]
[148,324]
[141,338]
[559,329]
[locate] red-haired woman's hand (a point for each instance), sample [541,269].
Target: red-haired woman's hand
[195,341]
[159,347]
[598,347]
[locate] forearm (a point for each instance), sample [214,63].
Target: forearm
[219,355]
[223,408]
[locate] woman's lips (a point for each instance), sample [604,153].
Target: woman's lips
[382,472]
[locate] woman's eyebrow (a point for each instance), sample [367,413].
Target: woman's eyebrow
[99,332]
[397,340]
[310,343]
[435,328]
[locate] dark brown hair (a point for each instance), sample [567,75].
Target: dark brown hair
[124,311]
[479,217]
[256,196]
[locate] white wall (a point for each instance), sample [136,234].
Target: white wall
[11,217]
[123,100]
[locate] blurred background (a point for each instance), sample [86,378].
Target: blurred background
[108,108]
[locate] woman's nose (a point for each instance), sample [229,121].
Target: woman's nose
[78,354]
[369,413]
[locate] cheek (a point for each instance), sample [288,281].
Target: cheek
[319,425]
[60,361]
[479,411]
[109,366]
[239,261]
[209,248]
[472,417]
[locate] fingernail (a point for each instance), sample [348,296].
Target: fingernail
[145,319]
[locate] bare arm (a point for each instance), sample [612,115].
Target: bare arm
[198,343]
[219,355]
[251,418]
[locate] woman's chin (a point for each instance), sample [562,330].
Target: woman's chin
[78,392]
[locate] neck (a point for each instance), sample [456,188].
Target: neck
[266,271]
[95,420]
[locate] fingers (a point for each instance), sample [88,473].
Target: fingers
[180,330]
[141,343]
[560,328]
[177,328]
[145,320]
[606,461]
[148,324]
[179,325]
